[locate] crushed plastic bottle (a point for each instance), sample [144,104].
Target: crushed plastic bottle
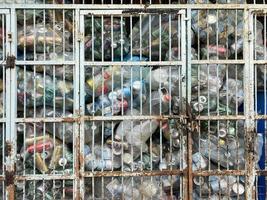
[37,89]
[151,22]
[99,34]
[35,37]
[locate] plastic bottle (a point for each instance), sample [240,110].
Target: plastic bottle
[126,126]
[104,106]
[117,41]
[208,77]
[151,22]
[209,148]
[158,102]
[141,132]
[41,35]
[36,89]
[101,159]
[235,92]
[158,78]
[103,82]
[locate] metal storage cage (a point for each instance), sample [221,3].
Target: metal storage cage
[133,99]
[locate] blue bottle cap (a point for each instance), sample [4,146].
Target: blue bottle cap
[126,92]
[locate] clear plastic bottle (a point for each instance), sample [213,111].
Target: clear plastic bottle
[158,78]
[64,131]
[104,106]
[209,148]
[141,133]
[41,35]
[207,77]
[38,92]
[101,158]
[232,88]
[103,82]
[159,102]
[126,125]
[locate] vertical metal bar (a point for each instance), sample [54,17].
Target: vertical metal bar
[11,110]
[186,70]
[78,106]
[249,106]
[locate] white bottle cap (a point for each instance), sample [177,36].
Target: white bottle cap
[238,188]
[112,96]
[42,30]
[163,165]
[198,107]
[212,19]
[62,161]
[222,133]
[176,142]
[137,85]
[202,99]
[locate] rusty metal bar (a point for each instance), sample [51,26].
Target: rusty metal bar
[135,173]
[189,168]
[47,120]
[138,173]
[249,106]
[120,118]
[41,177]
[219,173]
[137,117]
[77,145]
[137,7]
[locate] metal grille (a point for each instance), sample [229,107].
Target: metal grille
[155,101]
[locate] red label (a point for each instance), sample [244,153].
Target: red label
[40,146]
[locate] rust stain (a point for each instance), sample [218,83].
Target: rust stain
[134,174]
[10,192]
[219,172]
[77,166]
[190,174]
[10,177]
[8,148]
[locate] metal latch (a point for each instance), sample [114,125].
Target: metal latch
[10,61]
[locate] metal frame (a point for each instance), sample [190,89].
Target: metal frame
[83,63]
[79,118]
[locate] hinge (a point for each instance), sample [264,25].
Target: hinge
[9,37]
[10,61]
[250,36]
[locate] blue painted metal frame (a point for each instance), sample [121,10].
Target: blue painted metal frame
[261,129]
